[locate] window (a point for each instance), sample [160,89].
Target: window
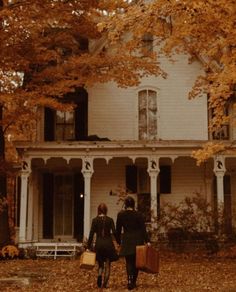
[221,133]
[147,41]
[65,126]
[147,100]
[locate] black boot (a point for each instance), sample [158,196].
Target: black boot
[131,284]
[134,281]
[105,282]
[99,281]
[135,278]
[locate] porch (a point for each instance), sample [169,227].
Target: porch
[62,184]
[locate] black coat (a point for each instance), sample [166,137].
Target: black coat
[134,231]
[104,228]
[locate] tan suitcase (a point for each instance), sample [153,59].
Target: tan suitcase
[87,260]
[147,259]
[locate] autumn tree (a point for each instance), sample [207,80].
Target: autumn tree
[47,49]
[51,47]
[203,29]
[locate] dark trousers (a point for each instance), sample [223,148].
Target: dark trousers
[131,266]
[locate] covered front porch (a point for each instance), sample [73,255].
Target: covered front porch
[61,184]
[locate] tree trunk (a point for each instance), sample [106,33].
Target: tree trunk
[4,222]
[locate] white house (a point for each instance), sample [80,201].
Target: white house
[140,139]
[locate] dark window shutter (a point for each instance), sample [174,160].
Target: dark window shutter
[227,185]
[81,115]
[49,124]
[165,179]
[81,131]
[79,206]
[48,205]
[131,178]
[3,186]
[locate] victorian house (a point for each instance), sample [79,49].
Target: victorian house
[138,139]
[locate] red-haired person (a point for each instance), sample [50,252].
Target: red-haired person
[104,228]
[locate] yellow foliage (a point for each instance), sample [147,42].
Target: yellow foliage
[204,30]
[207,151]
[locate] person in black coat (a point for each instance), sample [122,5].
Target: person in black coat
[104,228]
[134,233]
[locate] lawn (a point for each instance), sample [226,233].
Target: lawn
[178,272]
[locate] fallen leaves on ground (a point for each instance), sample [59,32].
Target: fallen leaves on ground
[178,273]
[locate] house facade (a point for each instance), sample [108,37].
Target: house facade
[138,139]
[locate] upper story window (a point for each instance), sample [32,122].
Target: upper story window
[221,133]
[66,126]
[147,108]
[147,41]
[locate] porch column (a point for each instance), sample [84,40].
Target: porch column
[153,171]
[219,170]
[87,170]
[30,210]
[23,205]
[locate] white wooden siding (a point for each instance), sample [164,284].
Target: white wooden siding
[187,180]
[106,178]
[113,111]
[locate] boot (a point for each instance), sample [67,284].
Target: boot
[99,281]
[135,278]
[105,282]
[131,285]
[134,281]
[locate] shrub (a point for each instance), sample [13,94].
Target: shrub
[193,215]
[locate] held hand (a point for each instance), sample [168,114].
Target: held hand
[148,243]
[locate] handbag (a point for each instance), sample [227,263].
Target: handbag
[147,259]
[87,260]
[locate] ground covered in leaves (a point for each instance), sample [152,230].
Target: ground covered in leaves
[178,272]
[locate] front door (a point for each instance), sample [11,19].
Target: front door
[63,206]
